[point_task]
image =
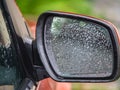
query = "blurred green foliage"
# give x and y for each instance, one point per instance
(36, 7)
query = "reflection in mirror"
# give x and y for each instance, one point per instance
(80, 48)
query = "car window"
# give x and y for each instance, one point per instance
(10, 75)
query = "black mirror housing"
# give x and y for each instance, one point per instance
(59, 33)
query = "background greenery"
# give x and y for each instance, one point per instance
(33, 8)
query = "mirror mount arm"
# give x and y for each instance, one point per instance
(41, 73)
(38, 65)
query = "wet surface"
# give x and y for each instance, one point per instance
(81, 48)
(9, 70)
(111, 10)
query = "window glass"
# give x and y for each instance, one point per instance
(9, 69)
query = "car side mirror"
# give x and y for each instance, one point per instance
(78, 48)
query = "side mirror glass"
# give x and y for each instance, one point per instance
(80, 48)
(77, 48)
